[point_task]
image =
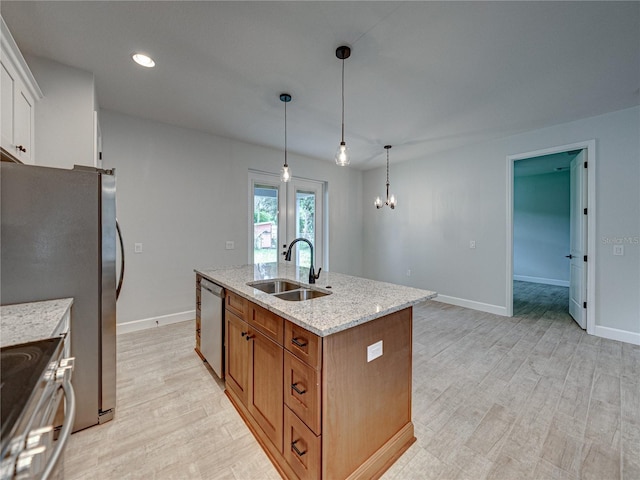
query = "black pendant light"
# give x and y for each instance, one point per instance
(343, 156)
(391, 200)
(285, 173)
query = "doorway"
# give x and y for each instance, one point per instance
(574, 163)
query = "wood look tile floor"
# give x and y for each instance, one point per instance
(530, 396)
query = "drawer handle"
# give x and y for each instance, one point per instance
(249, 337)
(21, 148)
(297, 342)
(295, 449)
(243, 334)
(294, 386)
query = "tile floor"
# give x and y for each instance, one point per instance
(530, 396)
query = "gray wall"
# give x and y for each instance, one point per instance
(541, 228)
(64, 116)
(447, 199)
(183, 193)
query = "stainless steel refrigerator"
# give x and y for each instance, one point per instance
(58, 239)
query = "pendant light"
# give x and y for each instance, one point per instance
(391, 200)
(343, 156)
(285, 173)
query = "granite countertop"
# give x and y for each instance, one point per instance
(353, 300)
(27, 322)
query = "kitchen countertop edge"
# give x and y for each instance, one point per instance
(296, 311)
(31, 321)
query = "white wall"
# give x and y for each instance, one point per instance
(541, 217)
(450, 198)
(64, 116)
(183, 193)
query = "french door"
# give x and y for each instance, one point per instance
(281, 212)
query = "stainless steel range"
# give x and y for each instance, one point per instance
(35, 380)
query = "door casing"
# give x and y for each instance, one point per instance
(590, 147)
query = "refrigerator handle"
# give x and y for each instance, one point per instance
(119, 287)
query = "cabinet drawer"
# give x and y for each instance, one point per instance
(268, 323)
(236, 304)
(302, 391)
(303, 344)
(301, 447)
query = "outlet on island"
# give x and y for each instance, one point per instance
(230, 245)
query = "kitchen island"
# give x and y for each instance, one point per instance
(324, 384)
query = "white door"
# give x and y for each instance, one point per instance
(578, 240)
(304, 220)
(281, 212)
(267, 218)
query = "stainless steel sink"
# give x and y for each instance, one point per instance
(301, 294)
(274, 286)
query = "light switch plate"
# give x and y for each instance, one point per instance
(374, 351)
(137, 248)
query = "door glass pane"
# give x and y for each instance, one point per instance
(305, 224)
(265, 223)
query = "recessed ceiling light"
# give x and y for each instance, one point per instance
(144, 60)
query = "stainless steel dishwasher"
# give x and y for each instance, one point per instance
(212, 325)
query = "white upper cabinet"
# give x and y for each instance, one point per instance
(20, 91)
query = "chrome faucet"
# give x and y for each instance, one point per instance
(312, 274)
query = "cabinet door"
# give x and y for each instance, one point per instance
(237, 356)
(23, 124)
(17, 116)
(265, 390)
(6, 124)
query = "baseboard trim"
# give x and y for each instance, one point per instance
(616, 334)
(461, 302)
(544, 281)
(152, 322)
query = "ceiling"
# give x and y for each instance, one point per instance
(423, 76)
(553, 163)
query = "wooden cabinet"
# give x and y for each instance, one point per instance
(19, 92)
(302, 391)
(303, 448)
(254, 363)
(265, 385)
(318, 406)
(237, 356)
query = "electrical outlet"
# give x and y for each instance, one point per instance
(137, 248)
(472, 244)
(618, 250)
(230, 245)
(408, 272)
(374, 351)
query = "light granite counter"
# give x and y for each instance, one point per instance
(27, 322)
(353, 300)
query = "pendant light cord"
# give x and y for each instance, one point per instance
(343, 100)
(387, 175)
(285, 135)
